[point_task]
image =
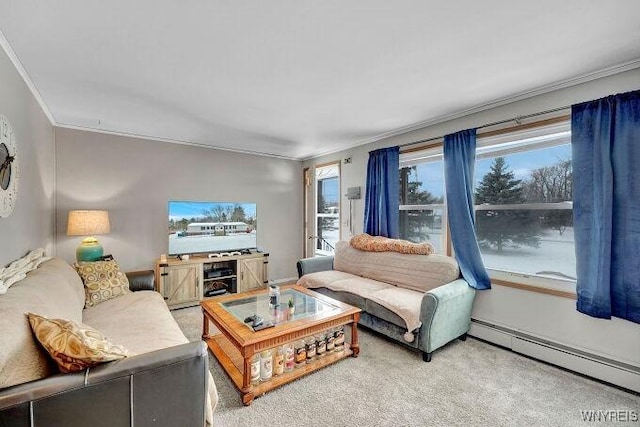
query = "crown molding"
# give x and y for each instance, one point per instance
(574, 81)
(25, 77)
(174, 141)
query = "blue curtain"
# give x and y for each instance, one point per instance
(605, 138)
(382, 198)
(459, 160)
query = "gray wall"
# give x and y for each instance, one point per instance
(546, 316)
(134, 178)
(31, 224)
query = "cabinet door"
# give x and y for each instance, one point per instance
(181, 284)
(251, 274)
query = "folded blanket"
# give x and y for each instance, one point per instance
(18, 270)
(405, 303)
(365, 242)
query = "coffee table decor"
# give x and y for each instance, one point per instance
(278, 331)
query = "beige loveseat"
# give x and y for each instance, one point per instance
(418, 300)
(164, 382)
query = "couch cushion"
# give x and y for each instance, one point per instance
(416, 272)
(346, 297)
(74, 346)
(102, 280)
(140, 321)
(320, 279)
(337, 281)
(54, 290)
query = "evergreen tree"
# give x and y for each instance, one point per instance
(413, 223)
(238, 214)
(504, 228)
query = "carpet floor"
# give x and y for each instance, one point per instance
(470, 383)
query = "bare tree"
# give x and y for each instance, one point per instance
(218, 213)
(550, 183)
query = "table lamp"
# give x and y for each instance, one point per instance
(88, 223)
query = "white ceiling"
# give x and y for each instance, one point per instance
(297, 78)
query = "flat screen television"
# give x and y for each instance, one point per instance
(211, 227)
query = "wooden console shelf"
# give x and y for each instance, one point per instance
(186, 283)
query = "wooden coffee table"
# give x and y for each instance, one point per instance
(236, 343)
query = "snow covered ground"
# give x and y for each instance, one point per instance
(555, 254)
(331, 235)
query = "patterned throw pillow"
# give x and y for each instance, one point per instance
(102, 280)
(365, 242)
(74, 346)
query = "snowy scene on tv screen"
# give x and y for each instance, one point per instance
(207, 227)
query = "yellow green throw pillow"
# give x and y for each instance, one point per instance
(74, 346)
(102, 280)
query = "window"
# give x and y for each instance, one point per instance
(327, 208)
(422, 206)
(523, 197)
(524, 209)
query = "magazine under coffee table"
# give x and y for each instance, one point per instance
(237, 342)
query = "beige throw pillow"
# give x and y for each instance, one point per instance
(102, 280)
(74, 346)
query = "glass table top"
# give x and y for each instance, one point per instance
(305, 306)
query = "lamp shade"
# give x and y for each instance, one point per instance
(88, 223)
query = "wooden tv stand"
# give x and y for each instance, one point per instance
(186, 283)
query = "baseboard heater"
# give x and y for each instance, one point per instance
(608, 370)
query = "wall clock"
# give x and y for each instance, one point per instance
(8, 168)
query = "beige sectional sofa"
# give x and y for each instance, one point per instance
(164, 382)
(418, 300)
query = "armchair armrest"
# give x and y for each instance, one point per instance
(312, 265)
(161, 388)
(445, 314)
(141, 280)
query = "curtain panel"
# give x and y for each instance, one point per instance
(382, 197)
(605, 138)
(459, 161)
